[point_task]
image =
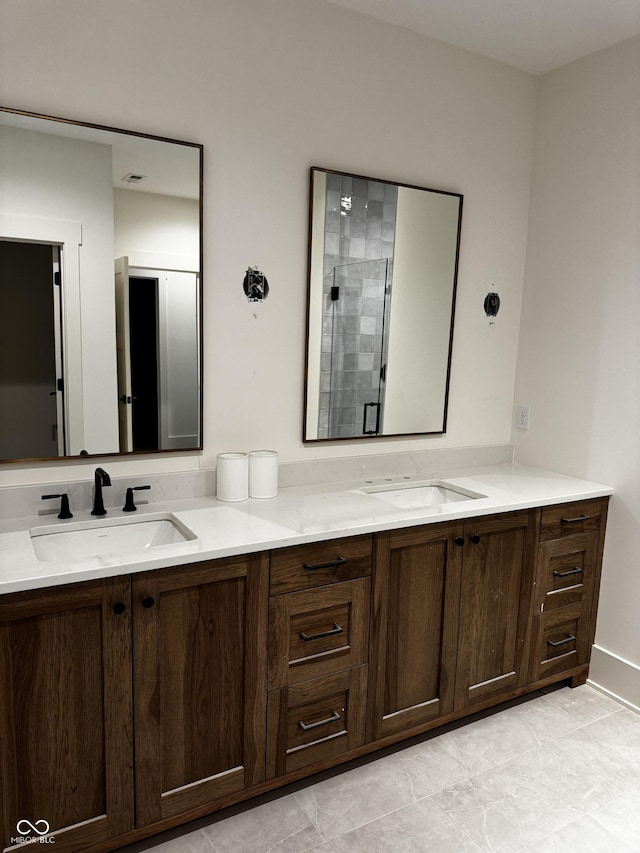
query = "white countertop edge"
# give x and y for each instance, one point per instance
(299, 515)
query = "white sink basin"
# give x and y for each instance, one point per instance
(108, 537)
(416, 495)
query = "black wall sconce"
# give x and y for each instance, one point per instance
(255, 285)
(491, 306)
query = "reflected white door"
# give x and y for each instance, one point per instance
(178, 357)
(123, 346)
(158, 341)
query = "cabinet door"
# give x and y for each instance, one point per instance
(65, 714)
(495, 606)
(200, 634)
(414, 627)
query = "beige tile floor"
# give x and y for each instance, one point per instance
(557, 772)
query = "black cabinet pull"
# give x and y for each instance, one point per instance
(475, 539)
(119, 608)
(576, 570)
(459, 540)
(568, 639)
(335, 630)
(312, 567)
(335, 716)
(575, 520)
(148, 601)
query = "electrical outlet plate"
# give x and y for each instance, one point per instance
(523, 411)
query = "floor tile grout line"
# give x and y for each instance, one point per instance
(603, 774)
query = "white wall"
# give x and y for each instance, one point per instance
(52, 178)
(579, 357)
(155, 230)
(272, 87)
(424, 259)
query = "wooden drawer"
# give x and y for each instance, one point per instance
(315, 632)
(314, 721)
(560, 640)
(566, 570)
(307, 566)
(567, 519)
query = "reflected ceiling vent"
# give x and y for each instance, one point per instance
(134, 178)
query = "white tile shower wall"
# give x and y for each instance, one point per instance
(360, 218)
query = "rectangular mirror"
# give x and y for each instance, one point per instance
(383, 264)
(100, 290)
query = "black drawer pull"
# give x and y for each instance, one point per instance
(575, 520)
(148, 601)
(459, 540)
(568, 639)
(119, 608)
(576, 570)
(332, 719)
(335, 630)
(312, 567)
(475, 539)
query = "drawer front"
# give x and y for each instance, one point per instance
(318, 631)
(314, 721)
(566, 570)
(560, 640)
(570, 518)
(308, 566)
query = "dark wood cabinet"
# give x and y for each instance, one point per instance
(222, 679)
(315, 721)
(451, 619)
(569, 562)
(199, 675)
(186, 647)
(318, 650)
(495, 606)
(315, 632)
(66, 752)
(414, 627)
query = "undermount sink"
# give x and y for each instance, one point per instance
(417, 495)
(108, 537)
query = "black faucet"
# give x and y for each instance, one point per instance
(129, 505)
(101, 479)
(65, 512)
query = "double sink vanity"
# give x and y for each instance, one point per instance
(159, 665)
(160, 662)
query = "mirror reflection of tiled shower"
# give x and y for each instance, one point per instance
(360, 219)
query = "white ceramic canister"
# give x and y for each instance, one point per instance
(232, 476)
(263, 474)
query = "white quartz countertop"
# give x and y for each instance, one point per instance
(300, 514)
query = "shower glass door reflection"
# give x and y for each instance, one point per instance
(355, 344)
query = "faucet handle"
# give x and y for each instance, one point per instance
(129, 505)
(65, 512)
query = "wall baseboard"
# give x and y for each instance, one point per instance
(615, 677)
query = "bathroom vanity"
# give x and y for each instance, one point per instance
(143, 690)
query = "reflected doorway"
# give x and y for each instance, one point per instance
(143, 342)
(31, 362)
(158, 344)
